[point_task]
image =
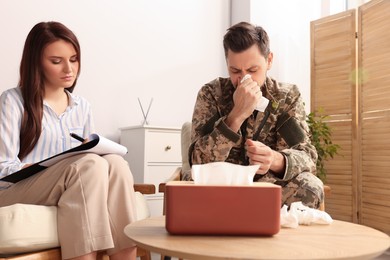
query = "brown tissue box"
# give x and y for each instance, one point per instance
(222, 210)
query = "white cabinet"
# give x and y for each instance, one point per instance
(154, 153)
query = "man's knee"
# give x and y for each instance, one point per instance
(307, 188)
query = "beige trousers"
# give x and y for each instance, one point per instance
(95, 200)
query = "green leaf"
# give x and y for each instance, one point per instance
(321, 139)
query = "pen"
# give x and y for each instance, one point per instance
(77, 137)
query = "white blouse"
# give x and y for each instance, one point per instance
(55, 137)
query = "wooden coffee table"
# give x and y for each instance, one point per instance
(339, 240)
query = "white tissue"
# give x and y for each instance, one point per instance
(247, 76)
(300, 214)
(263, 102)
(223, 173)
(286, 219)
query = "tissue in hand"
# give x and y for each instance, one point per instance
(223, 173)
(247, 76)
(263, 102)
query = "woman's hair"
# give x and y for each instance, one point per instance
(243, 35)
(32, 78)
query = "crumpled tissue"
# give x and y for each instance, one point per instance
(300, 214)
(223, 173)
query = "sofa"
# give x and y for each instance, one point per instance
(30, 231)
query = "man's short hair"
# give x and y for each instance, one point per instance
(243, 35)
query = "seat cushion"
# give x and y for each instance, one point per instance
(141, 206)
(27, 228)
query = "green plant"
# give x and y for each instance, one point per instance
(321, 138)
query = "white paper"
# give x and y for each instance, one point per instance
(223, 173)
(96, 144)
(103, 146)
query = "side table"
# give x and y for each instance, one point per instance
(339, 240)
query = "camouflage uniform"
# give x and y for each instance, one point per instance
(282, 127)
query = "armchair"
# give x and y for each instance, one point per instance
(29, 232)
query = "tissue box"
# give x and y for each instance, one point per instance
(222, 210)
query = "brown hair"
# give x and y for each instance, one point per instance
(31, 80)
(243, 35)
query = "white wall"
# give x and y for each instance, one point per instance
(288, 26)
(240, 11)
(165, 50)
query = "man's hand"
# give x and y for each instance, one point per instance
(259, 153)
(245, 99)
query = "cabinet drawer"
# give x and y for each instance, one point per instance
(163, 147)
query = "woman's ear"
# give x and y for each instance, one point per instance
(269, 60)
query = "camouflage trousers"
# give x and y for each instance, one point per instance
(305, 187)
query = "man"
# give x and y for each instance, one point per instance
(228, 126)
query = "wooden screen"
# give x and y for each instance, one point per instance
(374, 110)
(333, 89)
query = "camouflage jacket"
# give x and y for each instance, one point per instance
(282, 127)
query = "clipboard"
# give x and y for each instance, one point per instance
(97, 144)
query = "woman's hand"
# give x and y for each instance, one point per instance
(26, 165)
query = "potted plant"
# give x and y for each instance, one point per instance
(321, 138)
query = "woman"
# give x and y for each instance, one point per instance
(94, 195)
